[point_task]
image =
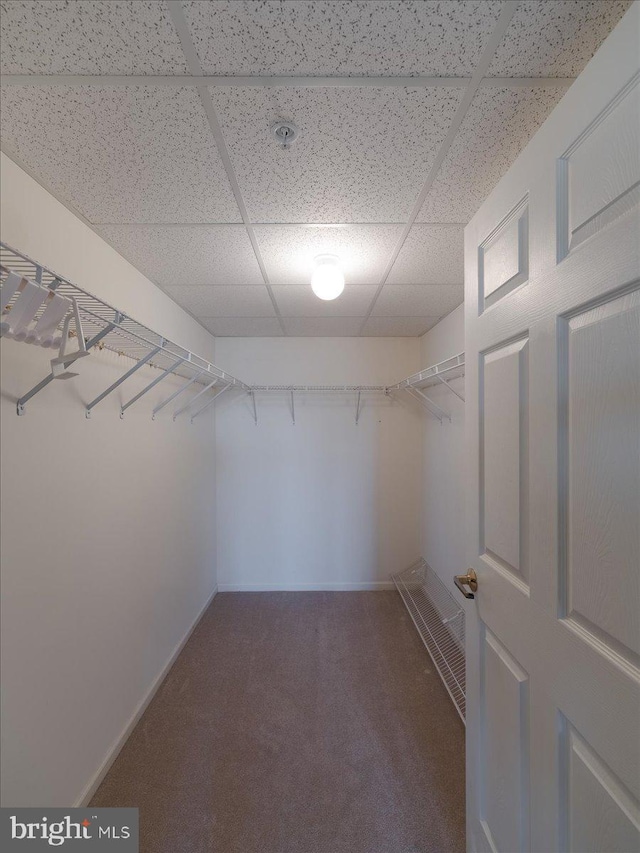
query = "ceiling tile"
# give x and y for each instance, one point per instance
(398, 327)
(361, 37)
(121, 154)
(431, 254)
(498, 125)
(325, 327)
(364, 250)
(425, 300)
(242, 327)
(114, 37)
(555, 38)
(241, 301)
(187, 254)
(298, 300)
(361, 156)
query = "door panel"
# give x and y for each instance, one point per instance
(552, 278)
(600, 483)
(503, 258)
(504, 465)
(599, 810)
(505, 792)
(599, 174)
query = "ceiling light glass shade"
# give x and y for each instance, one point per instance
(327, 281)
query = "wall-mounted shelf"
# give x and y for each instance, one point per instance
(291, 390)
(443, 373)
(440, 623)
(106, 327)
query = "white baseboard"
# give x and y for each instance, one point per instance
(112, 754)
(305, 587)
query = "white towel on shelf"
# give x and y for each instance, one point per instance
(54, 313)
(11, 284)
(25, 309)
(16, 322)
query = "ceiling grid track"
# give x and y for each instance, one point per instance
(93, 226)
(503, 22)
(182, 29)
(267, 224)
(196, 86)
(284, 81)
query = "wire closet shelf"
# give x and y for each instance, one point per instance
(107, 327)
(440, 623)
(443, 373)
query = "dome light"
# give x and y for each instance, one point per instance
(327, 281)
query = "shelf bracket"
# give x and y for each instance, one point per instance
(151, 385)
(293, 409)
(190, 402)
(255, 410)
(451, 388)
(209, 402)
(60, 364)
(88, 345)
(428, 404)
(358, 407)
(119, 382)
(175, 394)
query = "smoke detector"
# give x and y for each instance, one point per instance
(285, 132)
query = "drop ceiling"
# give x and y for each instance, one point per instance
(151, 120)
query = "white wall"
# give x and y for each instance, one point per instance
(324, 504)
(108, 543)
(34, 222)
(443, 532)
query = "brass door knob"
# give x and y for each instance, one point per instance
(470, 580)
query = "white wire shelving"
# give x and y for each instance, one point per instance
(291, 390)
(106, 327)
(440, 623)
(443, 373)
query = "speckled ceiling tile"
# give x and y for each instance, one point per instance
(374, 37)
(555, 38)
(121, 154)
(202, 254)
(398, 327)
(240, 301)
(324, 327)
(114, 37)
(420, 300)
(431, 254)
(298, 300)
(361, 156)
(242, 327)
(498, 125)
(288, 252)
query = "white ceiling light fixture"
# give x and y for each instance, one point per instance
(327, 281)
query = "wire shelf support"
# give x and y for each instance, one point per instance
(440, 621)
(106, 327)
(442, 373)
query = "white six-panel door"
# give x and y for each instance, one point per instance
(553, 396)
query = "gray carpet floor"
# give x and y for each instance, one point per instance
(297, 723)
